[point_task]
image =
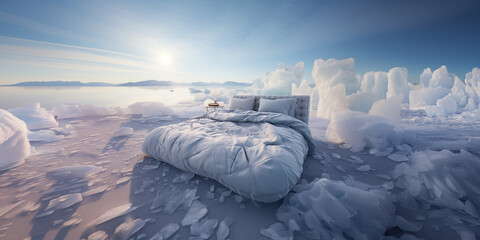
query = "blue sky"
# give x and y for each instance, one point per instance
(184, 41)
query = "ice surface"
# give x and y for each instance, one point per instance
(169, 199)
(44, 136)
(204, 228)
(14, 144)
(123, 132)
(279, 82)
(34, 116)
(127, 229)
(194, 213)
(358, 130)
(96, 190)
(150, 109)
(72, 172)
(98, 235)
(64, 201)
(114, 213)
(326, 209)
(166, 231)
(73, 110)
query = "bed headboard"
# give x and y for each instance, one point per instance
(303, 104)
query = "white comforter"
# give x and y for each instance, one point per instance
(258, 155)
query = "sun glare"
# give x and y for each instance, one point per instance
(164, 59)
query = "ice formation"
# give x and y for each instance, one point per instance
(64, 201)
(72, 172)
(128, 228)
(327, 209)
(34, 116)
(44, 136)
(114, 213)
(357, 130)
(204, 228)
(166, 231)
(194, 213)
(73, 110)
(442, 178)
(14, 144)
(150, 109)
(279, 82)
(123, 132)
(398, 83)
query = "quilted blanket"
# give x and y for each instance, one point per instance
(258, 155)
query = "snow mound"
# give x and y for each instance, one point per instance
(358, 130)
(150, 109)
(442, 178)
(279, 82)
(14, 144)
(327, 209)
(123, 132)
(73, 110)
(34, 116)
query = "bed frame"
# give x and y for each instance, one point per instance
(303, 104)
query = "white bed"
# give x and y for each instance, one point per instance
(258, 155)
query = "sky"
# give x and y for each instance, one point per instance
(187, 41)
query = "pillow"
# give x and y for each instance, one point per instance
(286, 106)
(241, 103)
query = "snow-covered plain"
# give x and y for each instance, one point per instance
(392, 160)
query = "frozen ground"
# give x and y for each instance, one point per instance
(95, 182)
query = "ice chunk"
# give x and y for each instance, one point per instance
(277, 231)
(184, 177)
(303, 89)
(364, 168)
(223, 228)
(72, 110)
(406, 225)
(34, 116)
(195, 213)
(123, 132)
(72, 222)
(358, 130)
(425, 77)
(398, 83)
(96, 190)
(98, 235)
(333, 72)
(44, 136)
(150, 109)
(336, 155)
(127, 229)
(442, 78)
(331, 101)
(123, 180)
(325, 208)
(204, 228)
(64, 201)
(169, 199)
(420, 98)
(14, 144)
(165, 232)
(445, 106)
(114, 213)
(72, 172)
(279, 82)
(398, 157)
(388, 108)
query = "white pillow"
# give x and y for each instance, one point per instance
(241, 103)
(286, 106)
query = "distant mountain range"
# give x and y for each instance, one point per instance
(128, 84)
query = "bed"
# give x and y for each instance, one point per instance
(256, 154)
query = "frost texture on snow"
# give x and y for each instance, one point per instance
(74, 110)
(328, 209)
(34, 116)
(14, 144)
(150, 109)
(279, 82)
(123, 132)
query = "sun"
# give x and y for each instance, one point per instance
(165, 59)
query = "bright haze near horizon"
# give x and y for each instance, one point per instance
(186, 41)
